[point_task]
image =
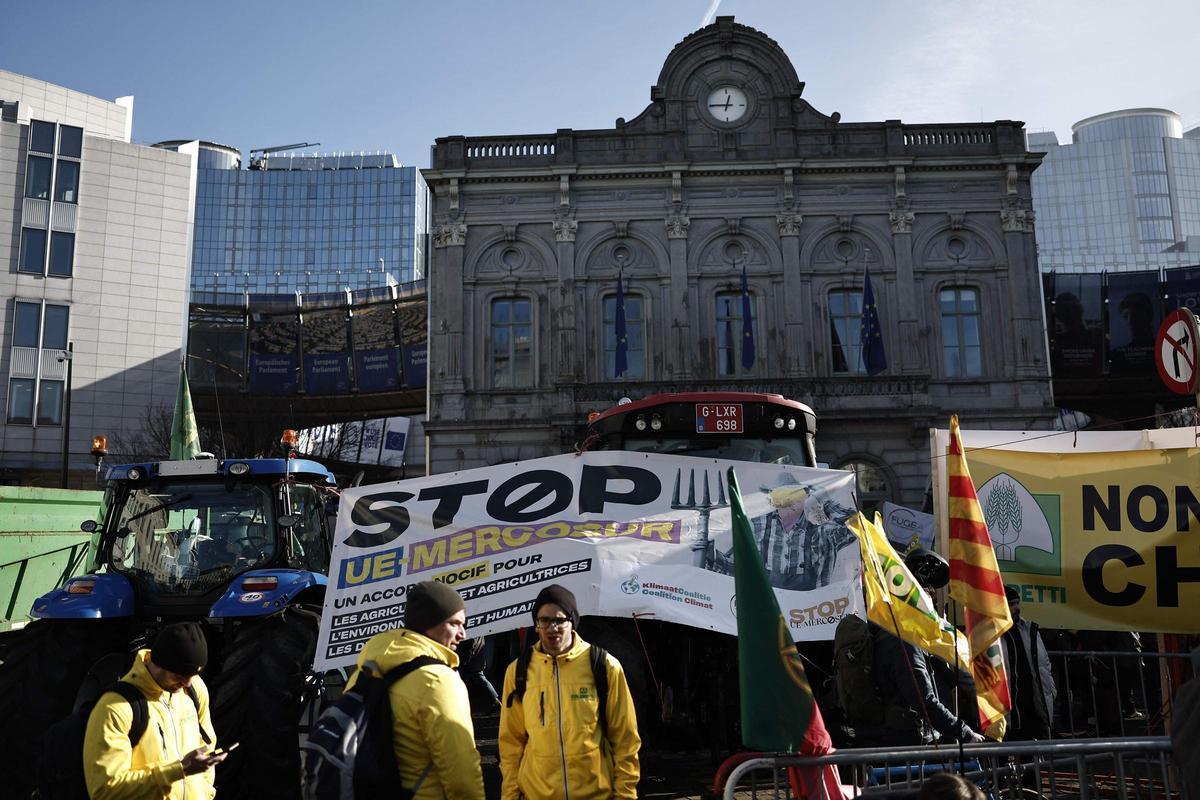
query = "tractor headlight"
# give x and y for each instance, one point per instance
(240, 468)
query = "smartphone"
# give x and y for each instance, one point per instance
(220, 751)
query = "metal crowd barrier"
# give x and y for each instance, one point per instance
(1109, 693)
(1094, 769)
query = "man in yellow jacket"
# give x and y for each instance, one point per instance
(171, 759)
(432, 734)
(551, 745)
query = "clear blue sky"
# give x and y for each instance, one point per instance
(396, 75)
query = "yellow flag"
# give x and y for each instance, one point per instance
(897, 603)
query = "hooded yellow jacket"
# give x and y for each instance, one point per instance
(432, 717)
(550, 746)
(152, 769)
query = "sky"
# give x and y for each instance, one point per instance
(394, 76)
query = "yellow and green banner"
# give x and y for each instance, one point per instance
(1101, 541)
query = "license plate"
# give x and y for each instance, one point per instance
(719, 418)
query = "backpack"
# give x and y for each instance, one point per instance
(349, 751)
(598, 657)
(853, 653)
(60, 773)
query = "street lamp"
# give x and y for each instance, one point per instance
(68, 356)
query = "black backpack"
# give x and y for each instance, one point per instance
(349, 751)
(60, 773)
(854, 656)
(598, 657)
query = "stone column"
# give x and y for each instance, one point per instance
(910, 352)
(446, 354)
(1024, 280)
(567, 368)
(797, 332)
(681, 350)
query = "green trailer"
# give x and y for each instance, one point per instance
(41, 545)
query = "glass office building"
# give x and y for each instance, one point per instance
(305, 223)
(1123, 196)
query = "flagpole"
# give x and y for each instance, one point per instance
(957, 713)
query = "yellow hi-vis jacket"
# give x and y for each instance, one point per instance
(152, 770)
(550, 742)
(431, 717)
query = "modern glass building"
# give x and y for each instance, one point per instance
(1124, 195)
(305, 223)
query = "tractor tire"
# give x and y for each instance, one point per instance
(257, 700)
(38, 681)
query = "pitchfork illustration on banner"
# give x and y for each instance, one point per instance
(703, 549)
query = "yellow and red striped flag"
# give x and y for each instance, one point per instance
(976, 584)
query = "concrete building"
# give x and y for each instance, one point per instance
(304, 223)
(1122, 196)
(729, 168)
(96, 251)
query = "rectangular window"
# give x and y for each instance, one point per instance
(635, 338)
(70, 141)
(41, 136)
(37, 177)
(961, 350)
(512, 344)
(33, 251)
(27, 324)
(20, 400)
(845, 332)
(50, 403)
(62, 253)
(729, 334)
(66, 182)
(54, 328)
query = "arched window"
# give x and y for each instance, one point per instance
(512, 343)
(845, 338)
(962, 354)
(635, 338)
(872, 483)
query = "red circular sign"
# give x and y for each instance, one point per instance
(1175, 351)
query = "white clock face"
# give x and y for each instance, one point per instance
(727, 103)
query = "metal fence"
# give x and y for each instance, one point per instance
(1105, 693)
(1097, 769)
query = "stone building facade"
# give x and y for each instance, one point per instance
(730, 171)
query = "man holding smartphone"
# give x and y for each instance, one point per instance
(173, 757)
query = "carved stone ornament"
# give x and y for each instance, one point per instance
(510, 233)
(564, 228)
(1016, 220)
(621, 228)
(733, 226)
(956, 221)
(845, 222)
(677, 225)
(450, 234)
(789, 223)
(901, 220)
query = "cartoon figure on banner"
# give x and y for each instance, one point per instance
(800, 537)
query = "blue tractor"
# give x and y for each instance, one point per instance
(241, 545)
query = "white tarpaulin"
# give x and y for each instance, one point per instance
(628, 533)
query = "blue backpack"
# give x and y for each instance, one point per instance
(349, 752)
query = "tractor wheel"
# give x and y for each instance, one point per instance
(258, 697)
(38, 681)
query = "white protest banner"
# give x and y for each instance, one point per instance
(903, 526)
(628, 533)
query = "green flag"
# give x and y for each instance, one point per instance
(779, 713)
(185, 436)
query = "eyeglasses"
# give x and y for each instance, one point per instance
(553, 622)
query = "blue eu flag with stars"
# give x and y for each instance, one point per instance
(873, 356)
(622, 356)
(747, 325)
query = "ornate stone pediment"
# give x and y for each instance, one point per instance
(620, 254)
(729, 253)
(510, 257)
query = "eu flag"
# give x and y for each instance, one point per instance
(622, 356)
(747, 325)
(871, 335)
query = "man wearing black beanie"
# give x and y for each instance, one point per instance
(174, 757)
(554, 740)
(433, 737)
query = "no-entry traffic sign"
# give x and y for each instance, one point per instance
(1175, 351)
